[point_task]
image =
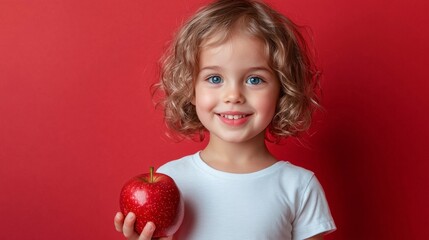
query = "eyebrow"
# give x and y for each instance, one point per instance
(210, 68)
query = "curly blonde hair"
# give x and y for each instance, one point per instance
(289, 59)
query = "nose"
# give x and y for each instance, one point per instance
(233, 94)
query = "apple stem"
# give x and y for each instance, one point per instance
(151, 174)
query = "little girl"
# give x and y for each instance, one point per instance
(239, 71)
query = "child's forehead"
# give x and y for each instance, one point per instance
(239, 45)
(222, 36)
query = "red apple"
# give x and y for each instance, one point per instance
(153, 197)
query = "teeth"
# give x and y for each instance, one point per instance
(235, 117)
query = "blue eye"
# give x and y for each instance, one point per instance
(254, 80)
(215, 79)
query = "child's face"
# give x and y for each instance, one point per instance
(236, 91)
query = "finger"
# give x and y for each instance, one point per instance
(119, 221)
(128, 227)
(147, 232)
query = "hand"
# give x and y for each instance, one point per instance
(126, 226)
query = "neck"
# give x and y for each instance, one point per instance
(240, 157)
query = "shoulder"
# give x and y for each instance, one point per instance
(294, 174)
(300, 182)
(177, 166)
(296, 170)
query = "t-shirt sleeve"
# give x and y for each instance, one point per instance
(313, 216)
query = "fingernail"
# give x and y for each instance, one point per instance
(150, 226)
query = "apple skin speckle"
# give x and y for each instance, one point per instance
(159, 202)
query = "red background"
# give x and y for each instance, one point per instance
(76, 117)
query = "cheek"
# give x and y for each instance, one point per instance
(267, 104)
(204, 100)
(267, 110)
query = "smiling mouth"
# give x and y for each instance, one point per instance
(233, 117)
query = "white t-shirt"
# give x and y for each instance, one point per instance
(281, 202)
